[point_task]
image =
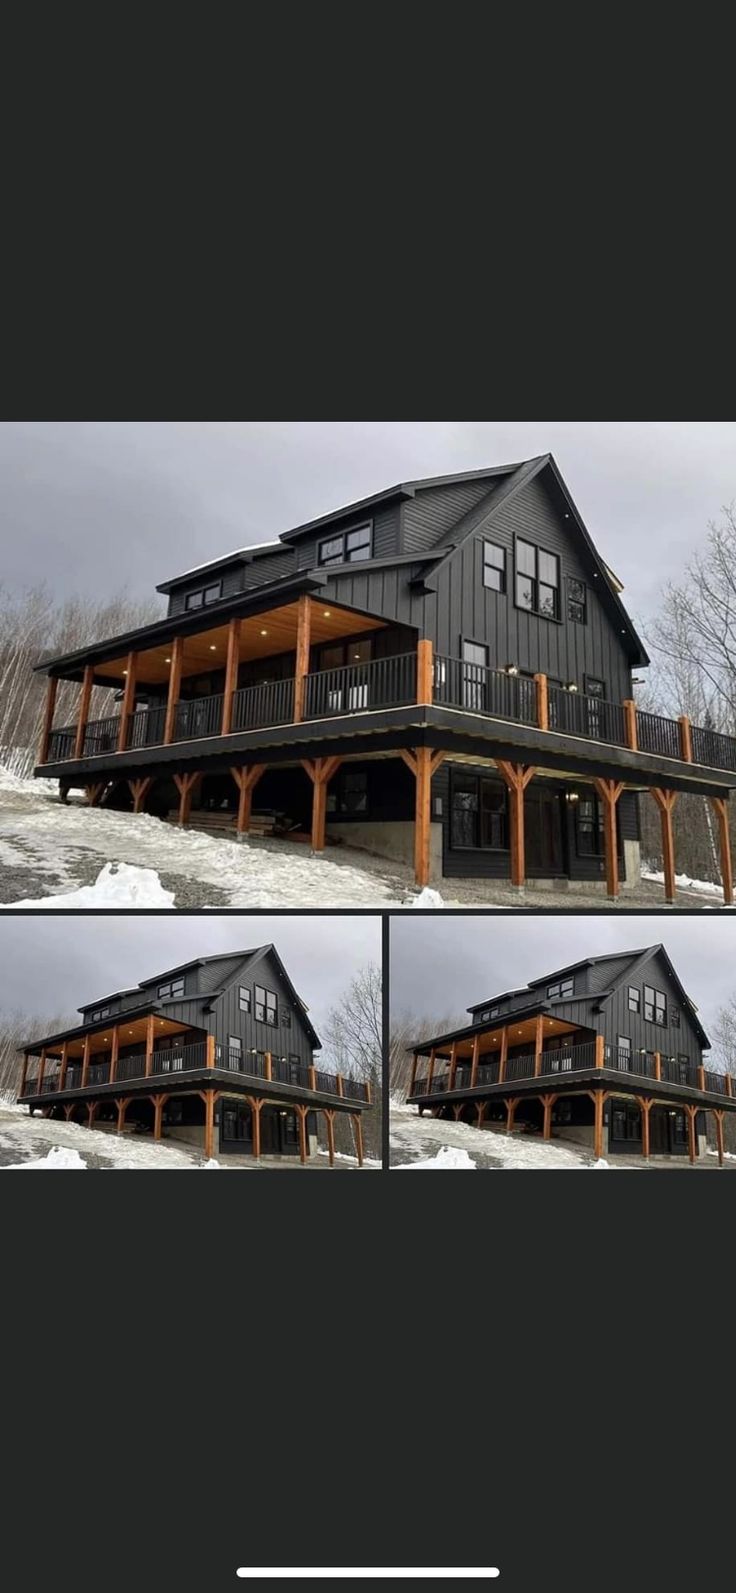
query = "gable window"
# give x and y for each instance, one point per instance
(478, 814)
(675, 1017)
(494, 567)
(563, 987)
(537, 580)
(349, 547)
(244, 998)
(234, 1052)
(286, 1018)
(99, 1012)
(624, 1053)
(655, 1006)
(490, 1012)
(577, 601)
(266, 1007)
(204, 596)
(634, 998)
(173, 987)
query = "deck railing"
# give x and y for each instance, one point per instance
(200, 716)
(146, 727)
(658, 735)
(484, 691)
(632, 1062)
(131, 1067)
(98, 1073)
(101, 735)
(672, 1071)
(712, 749)
(61, 744)
(575, 713)
(715, 1083)
(382, 683)
(271, 703)
(569, 1059)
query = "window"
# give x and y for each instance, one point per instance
(563, 987)
(490, 1012)
(589, 822)
(173, 987)
(624, 1053)
(634, 999)
(244, 999)
(99, 1012)
(347, 548)
(204, 596)
(478, 814)
(537, 580)
(577, 601)
(234, 1052)
(675, 1017)
(349, 793)
(475, 663)
(286, 1018)
(266, 1007)
(494, 567)
(655, 1006)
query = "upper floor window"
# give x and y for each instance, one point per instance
(244, 998)
(99, 1012)
(577, 601)
(490, 1012)
(655, 1006)
(674, 1017)
(173, 987)
(563, 987)
(204, 596)
(634, 999)
(537, 580)
(266, 1007)
(286, 1018)
(494, 567)
(348, 547)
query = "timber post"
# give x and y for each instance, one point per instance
(609, 792)
(301, 670)
(516, 777)
(720, 808)
(630, 723)
(665, 801)
(541, 683)
(83, 714)
(231, 675)
(423, 763)
(172, 699)
(128, 707)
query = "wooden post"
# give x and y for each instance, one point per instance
(453, 1065)
(231, 675)
(632, 729)
(139, 790)
(128, 708)
(480, 1108)
(609, 792)
(646, 1106)
(358, 1137)
(542, 684)
(69, 1111)
(368, 1092)
(303, 631)
(538, 1037)
(516, 777)
(302, 1115)
(312, 1075)
(94, 792)
(330, 1121)
(719, 1116)
(414, 1066)
(41, 1070)
(255, 1109)
(122, 1105)
(701, 1077)
(598, 1104)
(686, 739)
(475, 1061)
(691, 1112)
(720, 808)
(320, 772)
(83, 716)
(729, 1084)
(547, 1102)
(340, 1082)
(114, 1055)
(267, 1066)
(665, 801)
(172, 701)
(85, 1064)
(425, 672)
(246, 780)
(48, 719)
(511, 1106)
(503, 1060)
(149, 1045)
(208, 1096)
(185, 784)
(600, 1051)
(658, 1066)
(158, 1109)
(424, 764)
(430, 1074)
(92, 1107)
(210, 1051)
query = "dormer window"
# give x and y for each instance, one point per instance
(98, 1014)
(204, 596)
(558, 991)
(173, 987)
(348, 548)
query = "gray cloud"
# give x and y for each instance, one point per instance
(441, 965)
(99, 505)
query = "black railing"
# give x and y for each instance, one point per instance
(630, 1062)
(488, 1072)
(252, 1063)
(658, 735)
(101, 735)
(354, 1089)
(50, 1084)
(576, 714)
(712, 749)
(520, 1067)
(131, 1067)
(715, 1083)
(180, 1059)
(271, 703)
(290, 1072)
(147, 727)
(61, 744)
(569, 1059)
(484, 691)
(30, 1087)
(383, 683)
(675, 1072)
(73, 1076)
(98, 1073)
(200, 716)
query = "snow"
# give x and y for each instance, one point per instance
(222, 558)
(448, 1159)
(32, 1140)
(340, 1156)
(428, 898)
(685, 883)
(419, 1140)
(119, 885)
(58, 1160)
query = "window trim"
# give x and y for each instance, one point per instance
(342, 536)
(555, 619)
(571, 618)
(559, 991)
(633, 990)
(488, 542)
(167, 990)
(655, 1005)
(266, 1006)
(245, 990)
(458, 774)
(201, 591)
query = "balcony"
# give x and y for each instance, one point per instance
(167, 1061)
(570, 1059)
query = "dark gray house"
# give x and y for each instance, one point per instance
(440, 672)
(607, 1052)
(217, 1053)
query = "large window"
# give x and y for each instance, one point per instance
(563, 987)
(577, 601)
(204, 596)
(173, 987)
(634, 999)
(537, 580)
(348, 547)
(589, 821)
(244, 998)
(490, 1012)
(266, 1007)
(478, 818)
(655, 1006)
(494, 567)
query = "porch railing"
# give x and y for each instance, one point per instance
(146, 728)
(383, 683)
(271, 703)
(569, 1059)
(200, 716)
(575, 713)
(98, 1073)
(131, 1067)
(101, 735)
(484, 691)
(715, 1083)
(658, 735)
(675, 1072)
(61, 744)
(712, 749)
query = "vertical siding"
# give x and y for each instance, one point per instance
(227, 1018)
(617, 1020)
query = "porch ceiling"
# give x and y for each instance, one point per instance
(523, 1033)
(133, 1033)
(261, 636)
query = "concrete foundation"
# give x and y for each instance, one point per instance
(580, 1134)
(392, 839)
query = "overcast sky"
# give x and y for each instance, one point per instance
(100, 505)
(52, 965)
(442, 965)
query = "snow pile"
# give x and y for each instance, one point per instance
(58, 1160)
(428, 898)
(120, 885)
(685, 883)
(448, 1159)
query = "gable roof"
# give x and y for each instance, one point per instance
(640, 959)
(403, 489)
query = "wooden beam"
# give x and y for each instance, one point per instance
(658, 1066)
(409, 759)
(303, 639)
(158, 1110)
(720, 808)
(609, 792)
(172, 701)
(208, 1096)
(425, 671)
(210, 1051)
(511, 1106)
(85, 1063)
(301, 1112)
(114, 1055)
(122, 1105)
(24, 1075)
(480, 1108)
(423, 817)
(646, 1105)
(185, 784)
(475, 1061)
(358, 1136)
(686, 739)
(149, 1045)
(41, 1070)
(542, 684)
(267, 1066)
(630, 723)
(691, 1114)
(48, 718)
(430, 1074)
(320, 772)
(665, 801)
(231, 675)
(538, 1038)
(83, 715)
(92, 1107)
(340, 1082)
(139, 790)
(548, 1102)
(516, 777)
(719, 1116)
(128, 708)
(246, 780)
(453, 1065)
(94, 792)
(255, 1111)
(504, 1057)
(598, 1104)
(600, 1051)
(330, 1121)
(69, 1110)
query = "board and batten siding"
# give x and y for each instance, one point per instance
(615, 1019)
(227, 1019)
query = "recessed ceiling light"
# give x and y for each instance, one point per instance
(125, 671)
(213, 649)
(167, 660)
(328, 613)
(264, 633)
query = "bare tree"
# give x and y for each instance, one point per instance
(16, 1028)
(407, 1031)
(353, 1033)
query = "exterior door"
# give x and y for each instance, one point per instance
(543, 825)
(475, 663)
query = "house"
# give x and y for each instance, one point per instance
(217, 1053)
(441, 673)
(607, 1052)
